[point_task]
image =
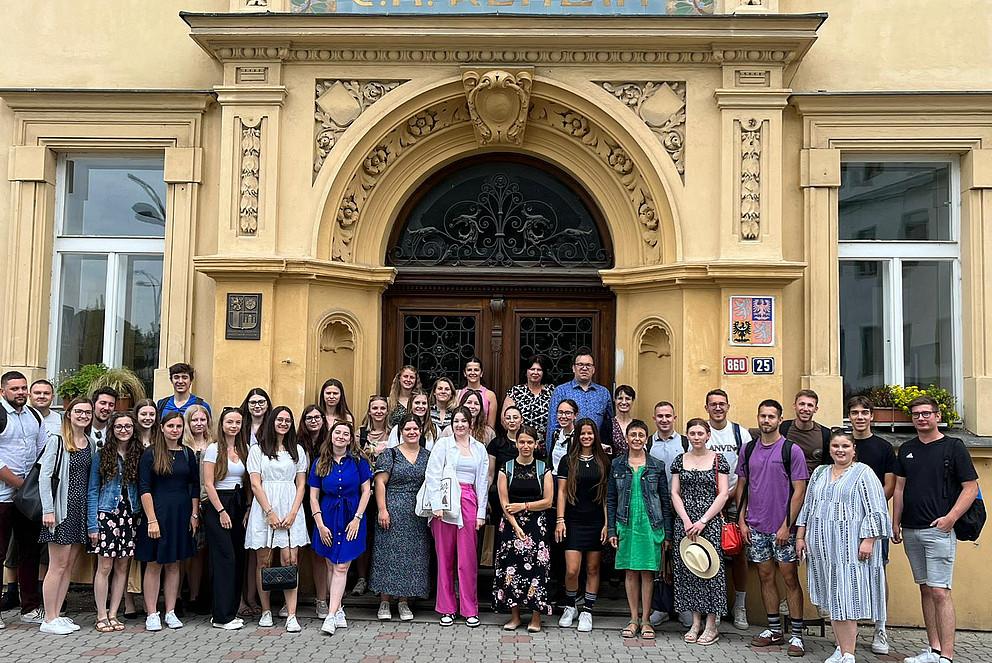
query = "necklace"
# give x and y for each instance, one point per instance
(586, 459)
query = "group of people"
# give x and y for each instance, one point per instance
(424, 471)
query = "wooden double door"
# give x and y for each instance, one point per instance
(439, 332)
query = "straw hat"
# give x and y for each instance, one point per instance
(700, 557)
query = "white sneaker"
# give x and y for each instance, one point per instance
(685, 618)
(265, 621)
(657, 618)
(55, 627)
(153, 622)
(847, 658)
(406, 615)
(328, 625)
(880, 643)
(172, 621)
(293, 625)
(232, 625)
(36, 616)
(925, 656)
(283, 612)
(360, 587)
(321, 607)
(68, 622)
(385, 613)
(835, 657)
(567, 617)
(585, 622)
(740, 617)
(340, 620)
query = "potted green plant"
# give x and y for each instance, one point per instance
(123, 380)
(75, 383)
(891, 403)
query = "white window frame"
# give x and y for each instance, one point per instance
(892, 253)
(116, 248)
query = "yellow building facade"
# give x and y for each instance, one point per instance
(722, 150)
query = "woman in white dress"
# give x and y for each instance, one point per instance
(843, 520)
(278, 468)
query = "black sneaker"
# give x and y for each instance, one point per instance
(9, 601)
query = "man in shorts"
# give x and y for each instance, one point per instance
(771, 486)
(936, 483)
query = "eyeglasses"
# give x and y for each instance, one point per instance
(256, 403)
(123, 427)
(583, 365)
(83, 413)
(841, 430)
(283, 421)
(925, 414)
(566, 413)
(313, 417)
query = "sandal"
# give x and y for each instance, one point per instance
(631, 629)
(116, 623)
(708, 637)
(249, 611)
(510, 626)
(103, 626)
(692, 635)
(533, 628)
(647, 632)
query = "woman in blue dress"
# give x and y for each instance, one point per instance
(340, 488)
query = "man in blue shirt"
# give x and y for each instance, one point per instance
(594, 400)
(181, 376)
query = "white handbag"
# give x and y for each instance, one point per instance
(424, 501)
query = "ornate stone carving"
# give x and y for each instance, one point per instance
(655, 340)
(250, 166)
(337, 336)
(661, 104)
(381, 158)
(498, 101)
(337, 104)
(750, 198)
(611, 153)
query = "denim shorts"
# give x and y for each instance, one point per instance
(763, 548)
(931, 555)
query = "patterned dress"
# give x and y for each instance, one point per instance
(401, 554)
(837, 515)
(698, 490)
(118, 528)
(522, 566)
(533, 409)
(72, 529)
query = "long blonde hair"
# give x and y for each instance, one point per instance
(394, 390)
(67, 442)
(208, 432)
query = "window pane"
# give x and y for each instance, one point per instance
(142, 305)
(862, 325)
(122, 195)
(895, 201)
(927, 336)
(82, 304)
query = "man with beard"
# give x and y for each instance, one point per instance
(22, 439)
(771, 485)
(104, 403)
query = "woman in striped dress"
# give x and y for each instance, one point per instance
(842, 523)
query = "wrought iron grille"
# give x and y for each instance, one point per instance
(438, 345)
(557, 338)
(500, 214)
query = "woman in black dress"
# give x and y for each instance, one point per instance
(581, 523)
(169, 487)
(523, 557)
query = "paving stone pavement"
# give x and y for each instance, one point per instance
(424, 641)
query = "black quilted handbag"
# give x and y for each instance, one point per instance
(280, 577)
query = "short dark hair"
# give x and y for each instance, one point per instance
(771, 402)
(42, 381)
(11, 375)
(924, 400)
(104, 391)
(570, 403)
(860, 400)
(583, 351)
(696, 421)
(664, 404)
(181, 367)
(540, 360)
(715, 392)
(625, 389)
(808, 393)
(637, 423)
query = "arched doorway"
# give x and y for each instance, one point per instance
(498, 256)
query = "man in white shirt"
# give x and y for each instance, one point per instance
(41, 395)
(665, 445)
(104, 403)
(729, 439)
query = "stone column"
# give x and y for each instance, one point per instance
(976, 296)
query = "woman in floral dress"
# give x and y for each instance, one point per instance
(523, 558)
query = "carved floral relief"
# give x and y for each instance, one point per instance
(250, 162)
(661, 104)
(750, 165)
(498, 102)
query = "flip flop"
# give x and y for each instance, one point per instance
(631, 629)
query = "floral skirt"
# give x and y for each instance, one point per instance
(522, 565)
(118, 532)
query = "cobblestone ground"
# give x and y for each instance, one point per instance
(424, 641)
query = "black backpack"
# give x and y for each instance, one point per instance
(737, 438)
(3, 416)
(786, 462)
(783, 430)
(969, 525)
